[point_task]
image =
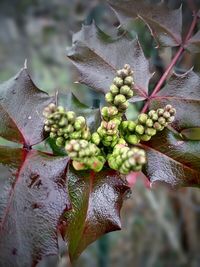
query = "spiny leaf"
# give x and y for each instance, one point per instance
(194, 43)
(191, 134)
(33, 196)
(173, 160)
(96, 203)
(21, 106)
(165, 24)
(183, 93)
(98, 60)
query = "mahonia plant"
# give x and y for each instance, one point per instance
(113, 139)
(77, 183)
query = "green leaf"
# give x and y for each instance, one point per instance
(97, 60)
(183, 93)
(165, 24)
(172, 160)
(33, 196)
(96, 202)
(21, 106)
(191, 134)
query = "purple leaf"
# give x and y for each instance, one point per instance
(21, 106)
(96, 203)
(165, 24)
(33, 196)
(98, 60)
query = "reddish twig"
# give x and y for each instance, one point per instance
(172, 64)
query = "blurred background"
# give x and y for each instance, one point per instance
(160, 226)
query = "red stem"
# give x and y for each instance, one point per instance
(172, 64)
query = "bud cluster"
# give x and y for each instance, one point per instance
(111, 139)
(64, 125)
(121, 89)
(108, 133)
(126, 159)
(147, 125)
(85, 155)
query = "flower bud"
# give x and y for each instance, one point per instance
(142, 118)
(131, 126)
(114, 89)
(119, 99)
(128, 80)
(109, 97)
(118, 81)
(145, 137)
(124, 90)
(71, 116)
(150, 131)
(139, 129)
(132, 139)
(149, 123)
(96, 138)
(60, 141)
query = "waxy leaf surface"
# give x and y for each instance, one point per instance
(21, 106)
(173, 160)
(33, 196)
(98, 60)
(165, 24)
(96, 203)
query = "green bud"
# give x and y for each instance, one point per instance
(109, 97)
(157, 126)
(86, 134)
(172, 111)
(168, 107)
(145, 137)
(124, 90)
(149, 123)
(124, 125)
(166, 115)
(79, 165)
(60, 141)
(150, 131)
(139, 129)
(130, 94)
(79, 123)
(68, 129)
(63, 122)
(61, 109)
(96, 138)
(162, 121)
(52, 135)
(119, 99)
(128, 80)
(142, 118)
(154, 116)
(151, 112)
(118, 81)
(131, 126)
(114, 89)
(123, 106)
(132, 139)
(71, 116)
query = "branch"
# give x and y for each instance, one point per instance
(173, 62)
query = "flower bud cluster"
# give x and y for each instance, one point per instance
(147, 125)
(126, 159)
(64, 125)
(107, 133)
(85, 155)
(121, 89)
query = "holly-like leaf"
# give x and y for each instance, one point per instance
(96, 203)
(164, 24)
(183, 93)
(33, 196)
(173, 160)
(21, 106)
(193, 45)
(98, 60)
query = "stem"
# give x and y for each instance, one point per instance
(173, 62)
